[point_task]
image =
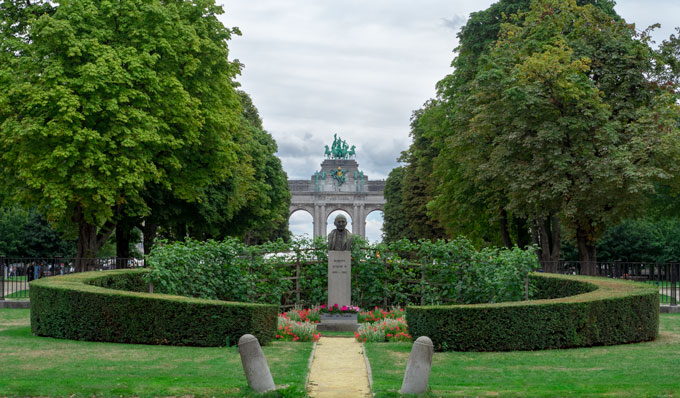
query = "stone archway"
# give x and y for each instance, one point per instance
(370, 218)
(339, 185)
(301, 218)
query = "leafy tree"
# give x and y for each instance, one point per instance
(467, 202)
(572, 121)
(25, 233)
(99, 100)
(417, 184)
(395, 225)
(251, 204)
(552, 115)
(637, 240)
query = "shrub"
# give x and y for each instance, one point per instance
(78, 307)
(606, 312)
(397, 273)
(227, 270)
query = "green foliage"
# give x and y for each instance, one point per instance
(229, 270)
(251, 204)
(25, 233)
(552, 109)
(398, 273)
(417, 185)
(616, 312)
(551, 66)
(637, 240)
(395, 226)
(101, 100)
(74, 307)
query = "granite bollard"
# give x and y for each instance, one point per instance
(255, 364)
(418, 367)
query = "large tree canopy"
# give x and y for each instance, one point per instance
(100, 99)
(566, 119)
(558, 116)
(252, 203)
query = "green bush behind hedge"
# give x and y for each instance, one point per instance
(77, 307)
(396, 273)
(603, 312)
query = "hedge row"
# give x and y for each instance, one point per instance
(84, 306)
(606, 312)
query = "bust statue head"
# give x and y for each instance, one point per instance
(340, 222)
(340, 238)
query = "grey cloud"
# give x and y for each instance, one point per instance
(455, 22)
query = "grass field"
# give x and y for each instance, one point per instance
(633, 370)
(16, 278)
(21, 294)
(47, 367)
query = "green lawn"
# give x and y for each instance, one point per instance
(21, 294)
(47, 367)
(16, 278)
(632, 370)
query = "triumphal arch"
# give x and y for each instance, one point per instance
(338, 185)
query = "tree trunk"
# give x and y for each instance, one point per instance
(523, 238)
(122, 244)
(90, 240)
(149, 230)
(87, 246)
(550, 242)
(507, 241)
(87, 241)
(586, 251)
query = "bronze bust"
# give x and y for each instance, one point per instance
(340, 238)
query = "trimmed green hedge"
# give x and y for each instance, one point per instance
(603, 312)
(85, 306)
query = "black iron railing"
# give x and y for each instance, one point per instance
(664, 275)
(17, 272)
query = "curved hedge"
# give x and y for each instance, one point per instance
(86, 306)
(602, 312)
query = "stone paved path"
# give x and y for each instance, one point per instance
(338, 369)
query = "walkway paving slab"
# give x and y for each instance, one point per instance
(338, 370)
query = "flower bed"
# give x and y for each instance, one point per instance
(311, 315)
(377, 325)
(377, 314)
(335, 309)
(289, 330)
(384, 330)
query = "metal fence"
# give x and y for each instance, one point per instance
(666, 276)
(16, 272)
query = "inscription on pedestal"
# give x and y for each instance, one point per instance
(339, 278)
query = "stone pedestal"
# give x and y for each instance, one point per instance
(339, 292)
(338, 323)
(339, 278)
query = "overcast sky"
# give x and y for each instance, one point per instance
(359, 69)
